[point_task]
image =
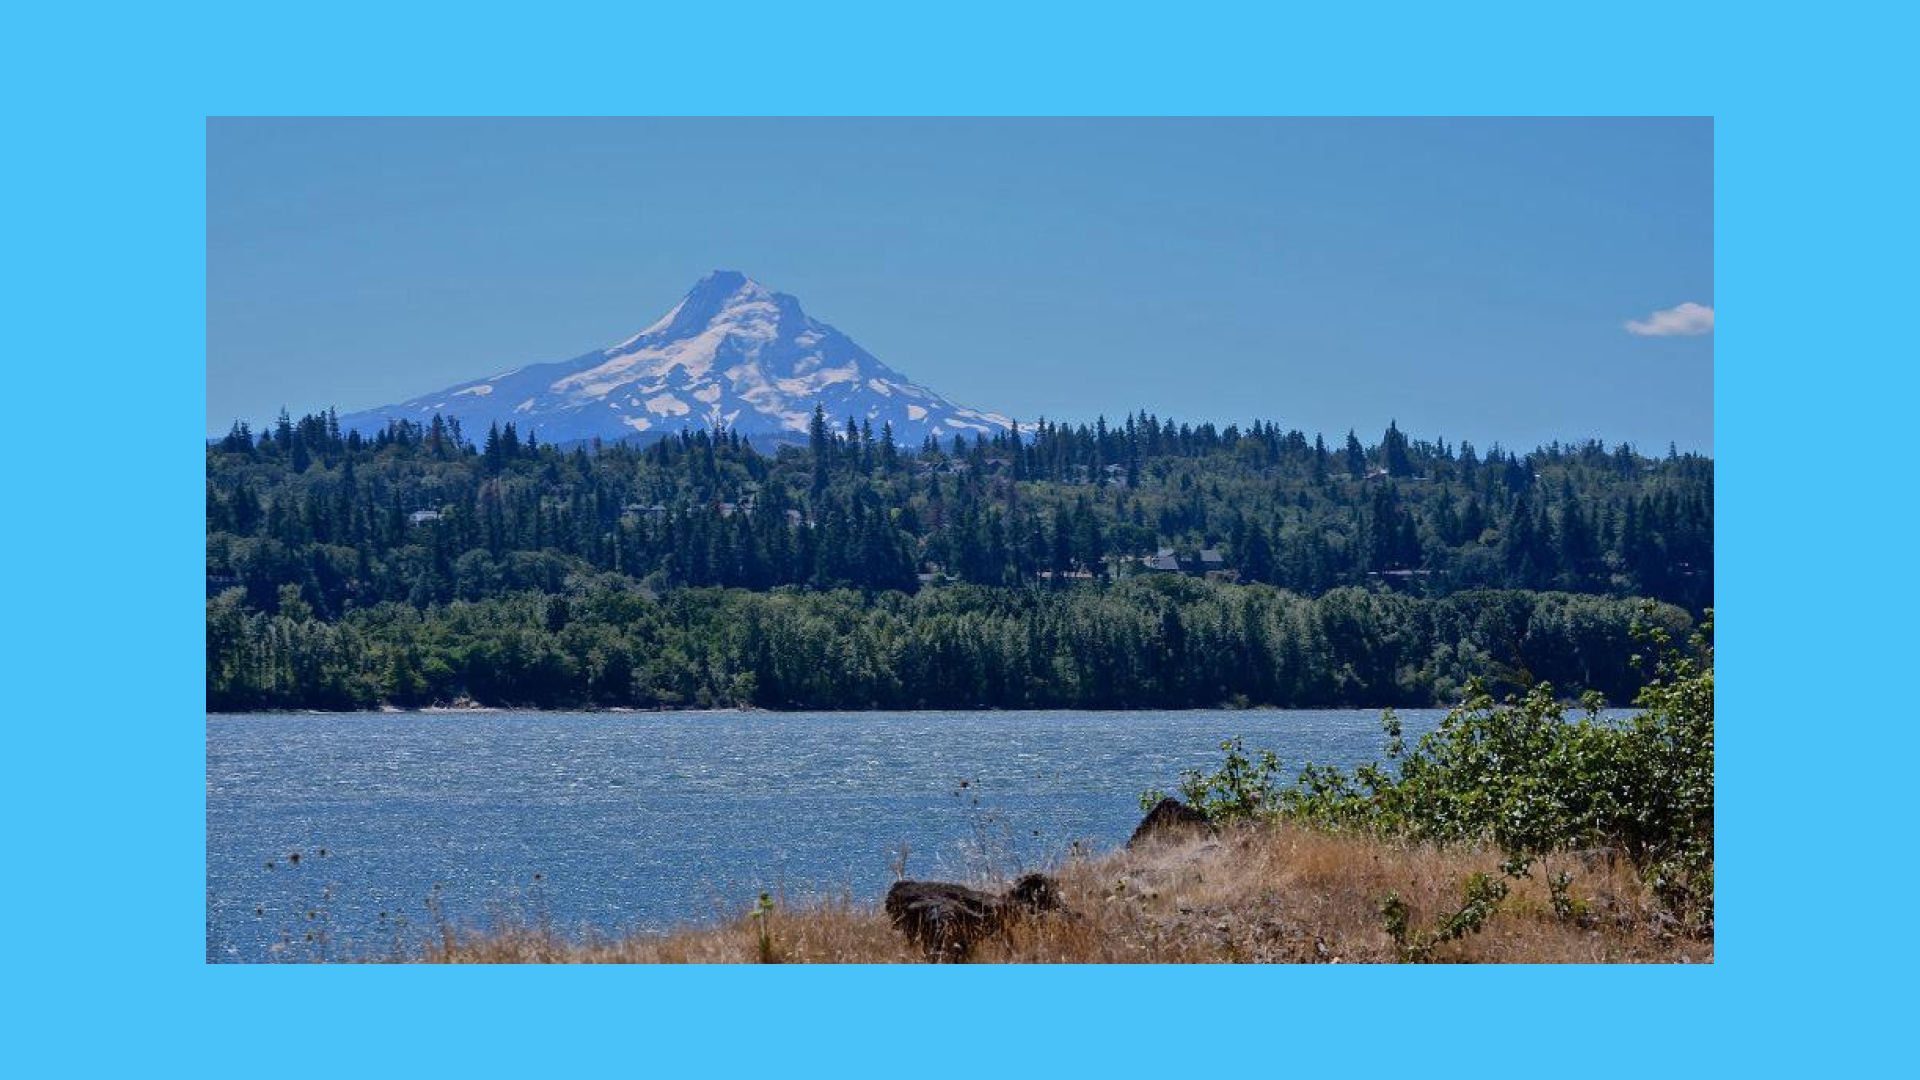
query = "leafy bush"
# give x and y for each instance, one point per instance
(1242, 789)
(1517, 773)
(1481, 895)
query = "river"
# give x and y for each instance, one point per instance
(609, 823)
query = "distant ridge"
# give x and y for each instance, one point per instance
(731, 353)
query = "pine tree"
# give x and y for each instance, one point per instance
(1393, 448)
(820, 445)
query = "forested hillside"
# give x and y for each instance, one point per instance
(422, 565)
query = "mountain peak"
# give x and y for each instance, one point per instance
(730, 354)
(724, 283)
(719, 294)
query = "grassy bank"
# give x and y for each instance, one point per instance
(1273, 892)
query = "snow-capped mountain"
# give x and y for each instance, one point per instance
(730, 353)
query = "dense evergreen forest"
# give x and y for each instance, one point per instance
(1145, 563)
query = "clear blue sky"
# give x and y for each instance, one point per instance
(1472, 278)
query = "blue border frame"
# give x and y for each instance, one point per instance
(110, 197)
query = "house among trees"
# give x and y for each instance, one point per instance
(1213, 565)
(1400, 578)
(1209, 562)
(422, 517)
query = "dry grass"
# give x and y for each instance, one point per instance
(1267, 894)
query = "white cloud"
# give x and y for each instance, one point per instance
(1684, 321)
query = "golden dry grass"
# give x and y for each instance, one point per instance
(1266, 894)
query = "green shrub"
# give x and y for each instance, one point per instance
(1481, 895)
(1242, 788)
(1518, 774)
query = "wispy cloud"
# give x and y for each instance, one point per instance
(1685, 320)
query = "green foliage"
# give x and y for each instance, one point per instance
(334, 514)
(1518, 774)
(1159, 642)
(762, 916)
(1481, 895)
(1560, 894)
(1242, 789)
(414, 567)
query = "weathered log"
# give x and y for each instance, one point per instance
(946, 920)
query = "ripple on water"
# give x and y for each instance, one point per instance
(643, 820)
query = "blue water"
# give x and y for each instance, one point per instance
(610, 823)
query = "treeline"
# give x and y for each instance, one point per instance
(424, 515)
(1158, 641)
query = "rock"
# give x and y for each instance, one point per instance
(946, 920)
(1169, 819)
(1663, 925)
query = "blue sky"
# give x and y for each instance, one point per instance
(1472, 278)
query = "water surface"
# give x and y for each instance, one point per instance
(609, 822)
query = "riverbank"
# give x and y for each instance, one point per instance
(1275, 892)
(466, 708)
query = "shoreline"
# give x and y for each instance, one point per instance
(1273, 892)
(457, 710)
(630, 710)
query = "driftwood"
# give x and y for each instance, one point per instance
(1168, 820)
(946, 920)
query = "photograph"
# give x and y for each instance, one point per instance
(987, 540)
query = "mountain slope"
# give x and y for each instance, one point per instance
(730, 353)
